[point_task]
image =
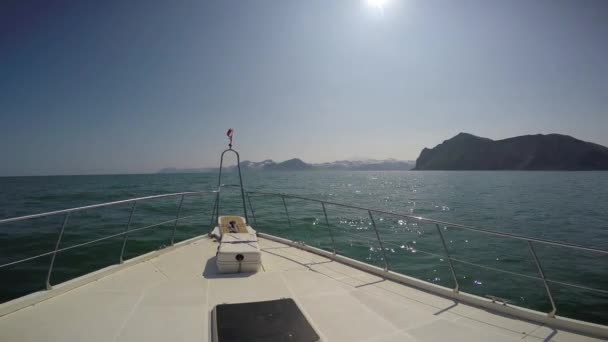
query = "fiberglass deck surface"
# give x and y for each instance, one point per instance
(170, 297)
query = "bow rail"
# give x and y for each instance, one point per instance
(443, 253)
(125, 233)
(530, 241)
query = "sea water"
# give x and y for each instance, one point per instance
(570, 207)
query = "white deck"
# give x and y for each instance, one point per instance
(169, 298)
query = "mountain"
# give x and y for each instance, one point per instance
(358, 165)
(296, 164)
(258, 166)
(529, 152)
(187, 170)
(292, 164)
(367, 165)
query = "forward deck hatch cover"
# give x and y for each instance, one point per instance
(274, 320)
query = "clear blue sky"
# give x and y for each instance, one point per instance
(135, 86)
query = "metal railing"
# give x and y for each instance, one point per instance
(531, 242)
(66, 215)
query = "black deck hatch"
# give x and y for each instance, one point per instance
(274, 320)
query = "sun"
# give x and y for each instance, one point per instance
(377, 4)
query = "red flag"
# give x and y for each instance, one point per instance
(229, 135)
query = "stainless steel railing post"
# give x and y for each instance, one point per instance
(179, 210)
(217, 203)
(542, 276)
(126, 236)
(447, 254)
(212, 223)
(251, 208)
(48, 276)
(371, 217)
(331, 234)
(286, 212)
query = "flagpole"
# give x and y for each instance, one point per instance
(229, 135)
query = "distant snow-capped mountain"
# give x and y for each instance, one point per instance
(367, 165)
(296, 164)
